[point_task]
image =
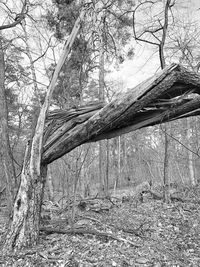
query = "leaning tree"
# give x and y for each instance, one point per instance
(23, 228)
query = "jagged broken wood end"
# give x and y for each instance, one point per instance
(171, 94)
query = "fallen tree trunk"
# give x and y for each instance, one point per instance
(157, 100)
(172, 94)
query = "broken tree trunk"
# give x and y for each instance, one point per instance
(157, 100)
(23, 229)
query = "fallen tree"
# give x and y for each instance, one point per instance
(171, 94)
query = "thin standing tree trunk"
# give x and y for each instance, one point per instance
(167, 137)
(76, 179)
(166, 180)
(126, 167)
(107, 169)
(102, 144)
(190, 154)
(119, 162)
(5, 151)
(50, 185)
(191, 168)
(179, 172)
(188, 133)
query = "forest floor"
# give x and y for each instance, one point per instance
(133, 233)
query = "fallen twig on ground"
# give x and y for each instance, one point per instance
(88, 232)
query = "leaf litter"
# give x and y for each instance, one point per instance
(129, 234)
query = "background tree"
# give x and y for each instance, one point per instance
(155, 34)
(6, 152)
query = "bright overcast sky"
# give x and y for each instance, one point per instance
(146, 60)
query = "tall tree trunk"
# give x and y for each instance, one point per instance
(23, 230)
(50, 185)
(118, 162)
(189, 152)
(5, 151)
(166, 179)
(102, 144)
(191, 168)
(167, 137)
(102, 166)
(184, 59)
(75, 185)
(107, 169)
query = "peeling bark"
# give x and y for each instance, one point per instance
(24, 225)
(23, 229)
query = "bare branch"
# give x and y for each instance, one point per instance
(18, 19)
(138, 38)
(165, 26)
(43, 52)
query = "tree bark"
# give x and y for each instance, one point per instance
(106, 182)
(23, 230)
(190, 154)
(50, 186)
(129, 111)
(68, 129)
(166, 135)
(166, 178)
(118, 182)
(5, 151)
(102, 143)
